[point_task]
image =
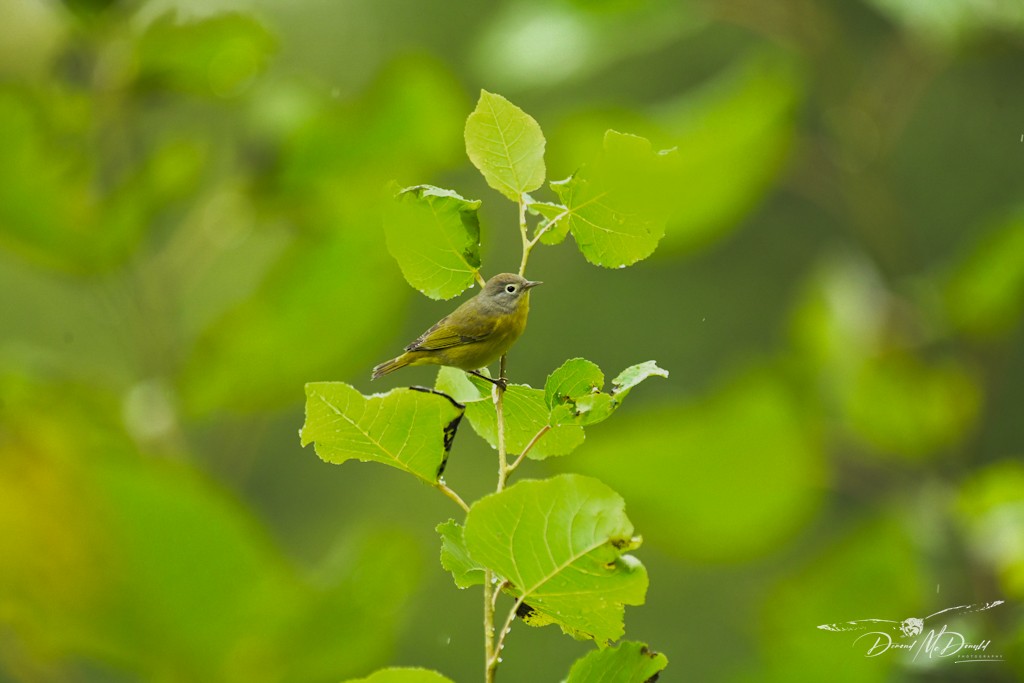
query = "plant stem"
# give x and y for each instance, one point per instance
(527, 245)
(492, 650)
(505, 628)
(536, 437)
(491, 659)
(490, 665)
(498, 393)
(446, 490)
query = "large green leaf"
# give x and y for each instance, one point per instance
(54, 209)
(154, 571)
(896, 403)
(867, 568)
(560, 543)
(984, 294)
(218, 55)
(733, 134)
(434, 234)
(901, 406)
(953, 22)
(506, 144)
(402, 675)
(408, 429)
(628, 662)
(304, 299)
(618, 205)
(750, 467)
(285, 274)
(455, 558)
(991, 513)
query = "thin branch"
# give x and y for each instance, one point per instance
(498, 393)
(446, 490)
(547, 226)
(496, 595)
(536, 437)
(529, 244)
(506, 628)
(491, 658)
(523, 233)
(489, 663)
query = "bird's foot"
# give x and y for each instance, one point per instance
(501, 382)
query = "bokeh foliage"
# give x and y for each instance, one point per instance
(190, 212)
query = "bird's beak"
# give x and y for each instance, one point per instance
(530, 284)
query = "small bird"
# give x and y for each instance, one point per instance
(476, 333)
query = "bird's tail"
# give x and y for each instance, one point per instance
(390, 366)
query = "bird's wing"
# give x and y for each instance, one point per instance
(442, 336)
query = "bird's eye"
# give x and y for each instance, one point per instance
(511, 289)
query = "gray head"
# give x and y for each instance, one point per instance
(506, 290)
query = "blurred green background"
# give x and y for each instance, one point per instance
(190, 197)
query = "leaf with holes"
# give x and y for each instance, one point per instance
(628, 662)
(434, 234)
(402, 675)
(506, 144)
(407, 429)
(574, 392)
(527, 418)
(561, 544)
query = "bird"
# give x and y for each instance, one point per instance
(476, 333)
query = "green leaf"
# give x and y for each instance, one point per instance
(991, 511)
(574, 378)
(734, 136)
(403, 675)
(870, 566)
(901, 406)
(628, 662)
(554, 226)
(455, 558)
(167, 567)
(506, 144)
(408, 429)
(951, 24)
(282, 272)
(618, 205)
(459, 385)
(574, 393)
(218, 56)
(560, 544)
(434, 234)
(552, 419)
(526, 416)
(984, 295)
(745, 490)
(54, 209)
(633, 375)
(298, 295)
